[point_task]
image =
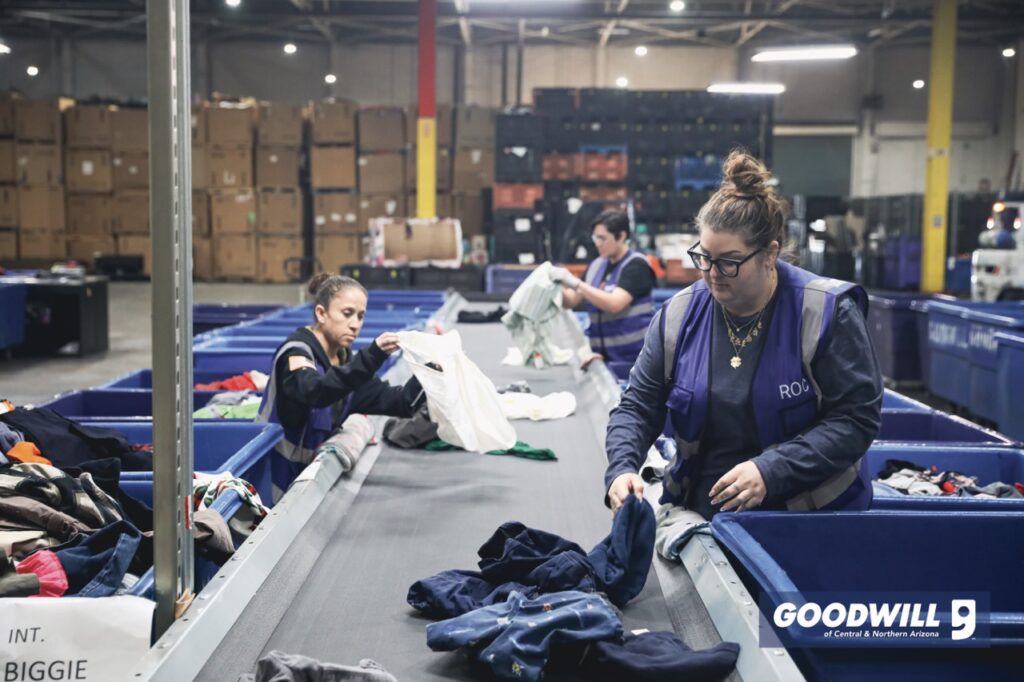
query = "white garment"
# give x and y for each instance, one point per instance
(461, 400)
(535, 408)
(534, 309)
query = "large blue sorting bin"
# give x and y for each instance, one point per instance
(891, 400)
(934, 427)
(243, 448)
(987, 464)
(1010, 383)
(984, 323)
(103, 404)
(949, 374)
(237, 355)
(902, 268)
(143, 378)
(893, 327)
(207, 316)
(779, 554)
(920, 308)
(281, 332)
(12, 314)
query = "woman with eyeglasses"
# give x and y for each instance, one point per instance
(765, 371)
(615, 291)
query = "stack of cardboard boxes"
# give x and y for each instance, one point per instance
(382, 164)
(8, 178)
(281, 205)
(337, 228)
(473, 172)
(89, 167)
(443, 134)
(228, 144)
(129, 211)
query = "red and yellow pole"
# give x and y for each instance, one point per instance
(426, 127)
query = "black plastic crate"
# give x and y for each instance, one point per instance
(604, 102)
(519, 164)
(519, 130)
(693, 104)
(650, 171)
(651, 106)
(379, 278)
(465, 278)
(559, 191)
(510, 222)
(555, 101)
(651, 205)
(683, 138)
(648, 138)
(684, 204)
(603, 132)
(561, 133)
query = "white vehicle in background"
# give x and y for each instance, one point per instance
(997, 270)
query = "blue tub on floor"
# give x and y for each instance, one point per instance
(1010, 383)
(102, 404)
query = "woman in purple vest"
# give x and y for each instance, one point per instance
(616, 291)
(765, 371)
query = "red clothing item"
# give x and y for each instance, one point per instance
(27, 453)
(241, 382)
(53, 581)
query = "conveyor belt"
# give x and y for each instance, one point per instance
(418, 513)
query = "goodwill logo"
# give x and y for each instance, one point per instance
(875, 620)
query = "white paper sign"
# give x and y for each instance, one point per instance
(73, 639)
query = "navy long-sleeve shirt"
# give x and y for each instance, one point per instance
(846, 371)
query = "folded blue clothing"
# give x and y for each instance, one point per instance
(517, 636)
(655, 657)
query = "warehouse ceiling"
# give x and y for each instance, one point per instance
(714, 23)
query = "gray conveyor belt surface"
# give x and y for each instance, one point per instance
(419, 513)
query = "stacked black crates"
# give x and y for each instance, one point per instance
(518, 169)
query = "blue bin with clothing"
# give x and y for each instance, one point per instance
(891, 400)
(112, 404)
(879, 556)
(242, 448)
(934, 427)
(143, 378)
(1009, 380)
(983, 325)
(893, 324)
(12, 314)
(207, 316)
(989, 465)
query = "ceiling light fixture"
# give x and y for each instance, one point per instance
(748, 88)
(330, 79)
(4, 49)
(918, 84)
(622, 82)
(1009, 52)
(802, 54)
(232, 3)
(640, 51)
(677, 5)
(289, 48)
(32, 71)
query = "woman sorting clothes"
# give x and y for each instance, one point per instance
(765, 371)
(616, 291)
(317, 380)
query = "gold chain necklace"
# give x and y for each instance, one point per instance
(735, 341)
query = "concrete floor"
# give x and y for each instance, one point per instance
(25, 381)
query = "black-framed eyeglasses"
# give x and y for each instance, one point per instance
(727, 267)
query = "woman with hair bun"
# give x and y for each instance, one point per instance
(317, 380)
(765, 371)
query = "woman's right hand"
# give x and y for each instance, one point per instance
(388, 342)
(622, 487)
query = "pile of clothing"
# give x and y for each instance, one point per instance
(247, 381)
(242, 405)
(540, 603)
(900, 477)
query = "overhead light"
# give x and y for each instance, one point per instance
(748, 88)
(677, 5)
(998, 207)
(918, 84)
(289, 48)
(1009, 52)
(232, 3)
(32, 70)
(544, 31)
(330, 79)
(640, 51)
(801, 54)
(4, 49)
(622, 82)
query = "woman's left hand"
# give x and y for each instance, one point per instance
(741, 488)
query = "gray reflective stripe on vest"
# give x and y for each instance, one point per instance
(291, 451)
(628, 311)
(815, 294)
(624, 339)
(673, 312)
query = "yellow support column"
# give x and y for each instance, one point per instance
(426, 128)
(426, 168)
(940, 133)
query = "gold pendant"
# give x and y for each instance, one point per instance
(736, 362)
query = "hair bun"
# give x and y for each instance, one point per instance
(744, 176)
(316, 282)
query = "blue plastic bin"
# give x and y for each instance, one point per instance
(1010, 383)
(505, 279)
(902, 258)
(112, 404)
(243, 448)
(934, 427)
(234, 356)
(920, 308)
(987, 464)
(949, 374)
(893, 327)
(958, 275)
(12, 314)
(207, 316)
(983, 325)
(782, 554)
(891, 400)
(143, 378)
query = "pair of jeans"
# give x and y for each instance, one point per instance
(95, 564)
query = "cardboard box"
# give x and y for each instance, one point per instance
(474, 126)
(468, 209)
(279, 125)
(381, 129)
(443, 119)
(333, 167)
(280, 211)
(200, 213)
(85, 247)
(228, 168)
(380, 206)
(277, 167)
(8, 245)
(130, 130)
(39, 120)
(90, 214)
(131, 170)
(382, 174)
(129, 214)
(8, 163)
(443, 179)
(42, 244)
(7, 118)
(200, 171)
(229, 126)
(334, 250)
(89, 125)
(39, 164)
(202, 259)
(473, 170)
(234, 256)
(137, 245)
(41, 207)
(273, 254)
(336, 213)
(90, 170)
(8, 206)
(415, 240)
(232, 211)
(333, 122)
(198, 125)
